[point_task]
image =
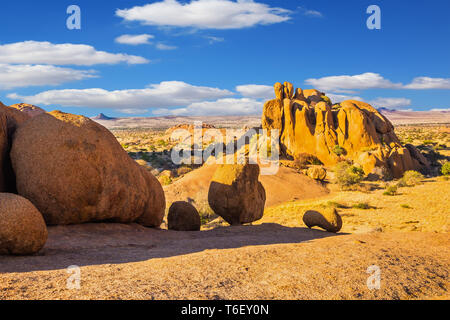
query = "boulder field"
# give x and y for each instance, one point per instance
(309, 123)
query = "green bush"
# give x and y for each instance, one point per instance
(338, 150)
(347, 174)
(445, 170)
(165, 180)
(410, 179)
(361, 205)
(327, 100)
(303, 160)
(391, 191)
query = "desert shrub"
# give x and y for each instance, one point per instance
(303, 160)
(361, 205)
(334, 204)
(410, 179)
(338, 150)
(183, 170)
(391, 190)
(165, 180)
(347, 174)
(445, 170)
(405, 206)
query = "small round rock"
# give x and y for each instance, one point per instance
(329, 219)
(22, 227)
(183, 216)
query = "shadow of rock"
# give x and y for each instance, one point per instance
(102, 243)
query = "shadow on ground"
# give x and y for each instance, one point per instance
(97, 244)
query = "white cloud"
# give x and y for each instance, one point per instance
(347, 83)
(34, 52)
(221, 107)
(206, 14)
(163, 95)
(16, 76)
(441, 110)
(337, 98)
(256, 91)
(422, 83)
(390, 103)
(162, 46)
(134, 39)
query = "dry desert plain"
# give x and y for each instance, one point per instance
(404, 233)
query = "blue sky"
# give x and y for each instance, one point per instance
(213, 57)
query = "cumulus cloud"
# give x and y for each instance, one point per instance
(390, 103)
(134, 40)
(34, 52)
(348, 83)
(310, 13)
(221, 107)
(256, 91)
(163, 95)
(422, 83)
(19, 76)
(206, 14)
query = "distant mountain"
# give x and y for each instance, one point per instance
(101, 116)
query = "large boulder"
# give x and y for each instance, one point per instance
(236, 195)
(22, 228)
(10, 120)
(309, 123)
(74, 171)
(183, 216)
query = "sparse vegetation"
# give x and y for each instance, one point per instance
(391, 190)
(361, 205)
(405, 206)
(347, 174)
(303, 160)
(410, 179)
(445, 170)
(338, 150)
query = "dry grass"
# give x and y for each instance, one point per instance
(428, 209)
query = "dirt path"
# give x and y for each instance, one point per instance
(267, 261)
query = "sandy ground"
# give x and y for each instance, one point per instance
(267, 261)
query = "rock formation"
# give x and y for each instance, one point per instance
(22, 228)
(74, 171)
(183, 216)
(236, 195)
(309, 123)
(329, 219)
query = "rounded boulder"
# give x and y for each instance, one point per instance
(236, 195)
(329, 219)
(22, 228)
(75, 171)
(183, 216)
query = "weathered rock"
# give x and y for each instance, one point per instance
(317, 173)
(308, 123)
(329, 219)
(22, 228)
(74, 171)
(28, 109)
(183, 216)
(236, 195)
(10, 120)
